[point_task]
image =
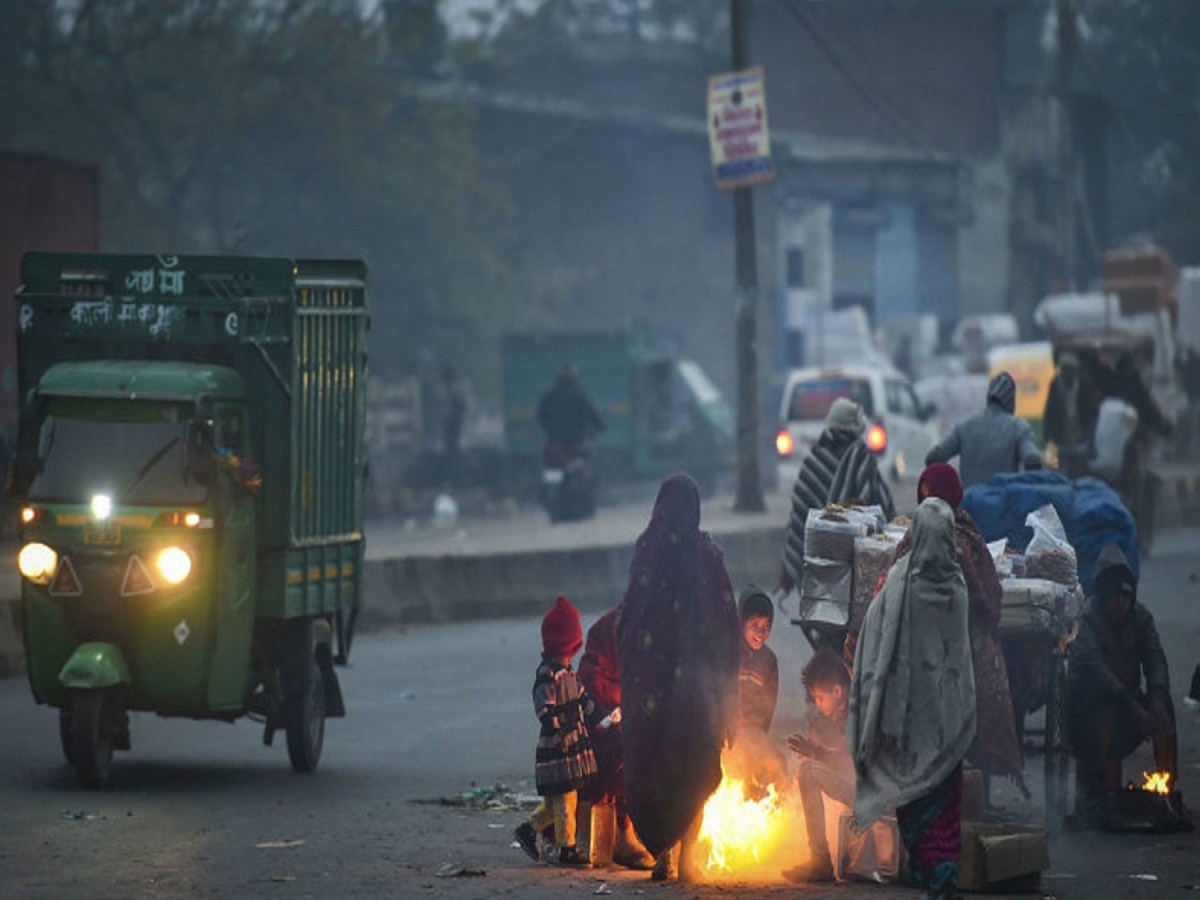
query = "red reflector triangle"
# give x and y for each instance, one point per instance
(66, 582)
(137, 579)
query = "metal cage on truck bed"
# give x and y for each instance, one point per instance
(296, 332)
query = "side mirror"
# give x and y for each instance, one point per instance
(928, 411)
(33, 443)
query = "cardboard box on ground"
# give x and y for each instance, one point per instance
(1002, 858)
(994, 858)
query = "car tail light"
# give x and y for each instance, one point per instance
(784, 444)
(877, 438)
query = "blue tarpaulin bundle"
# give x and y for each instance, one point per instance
(1091, 512)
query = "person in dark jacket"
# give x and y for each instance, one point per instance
(992, 441)
(758, 692)
(1069, 419)
(567, 416)
(1118, 689)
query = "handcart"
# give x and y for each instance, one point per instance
(1039, 620)
(847, 552)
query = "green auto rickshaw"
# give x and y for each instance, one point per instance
(190, 473)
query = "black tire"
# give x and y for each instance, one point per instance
(64, 736)
(92, 737)
(1058, 758)
(305, 718)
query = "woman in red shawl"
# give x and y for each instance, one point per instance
(678, 637)
(995, 750)
(600, 674)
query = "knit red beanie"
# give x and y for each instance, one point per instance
(562, 635)
(940, 480)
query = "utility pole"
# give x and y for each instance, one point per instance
(1065, 33)
(749, 496)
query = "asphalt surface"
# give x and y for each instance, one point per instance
(421, 784)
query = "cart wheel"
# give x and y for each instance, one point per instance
(92, 738)
(64, 736)
(1058, 759)
(305, 716)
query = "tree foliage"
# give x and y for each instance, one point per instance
(276, 127)
(1145, 60)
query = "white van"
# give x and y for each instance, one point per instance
(900, 429)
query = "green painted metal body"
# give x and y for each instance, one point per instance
(271, 355)
(94, 665)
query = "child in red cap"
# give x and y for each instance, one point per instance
(564, 759)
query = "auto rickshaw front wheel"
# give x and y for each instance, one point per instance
(93, 737)
(65, 737)
(304, 716)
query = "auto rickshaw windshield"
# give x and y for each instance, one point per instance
(136, 452)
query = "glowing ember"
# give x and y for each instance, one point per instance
(1157, 782)
(742, 833)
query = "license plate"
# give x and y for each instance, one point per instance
(107, 533)
(552, 476)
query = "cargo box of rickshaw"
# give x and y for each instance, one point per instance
(289, 335)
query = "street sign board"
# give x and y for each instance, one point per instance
(737, 129)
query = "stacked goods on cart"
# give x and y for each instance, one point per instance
(1049, 596)
(829, 592)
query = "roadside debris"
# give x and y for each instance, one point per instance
(456, 870)
(496, 798)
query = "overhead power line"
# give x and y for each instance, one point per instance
(907, 128)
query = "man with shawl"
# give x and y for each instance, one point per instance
(912, 702)
(840, 466)
(678, 635)
(996, 750)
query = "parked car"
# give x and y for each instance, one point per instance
(901, 429)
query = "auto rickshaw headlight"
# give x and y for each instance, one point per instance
(173, 564)
(37, 562)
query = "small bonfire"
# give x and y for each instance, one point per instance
(750, 832)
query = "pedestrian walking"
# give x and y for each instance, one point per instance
(990, 442)
(839, 467)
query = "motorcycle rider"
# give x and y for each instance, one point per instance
(569, 419)
(567, 416)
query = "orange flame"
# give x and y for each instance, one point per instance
(749, 834)
(1157, 782)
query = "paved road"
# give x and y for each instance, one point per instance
(435, 713)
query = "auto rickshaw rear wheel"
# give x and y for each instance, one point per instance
(93, 736)
(304, 714)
